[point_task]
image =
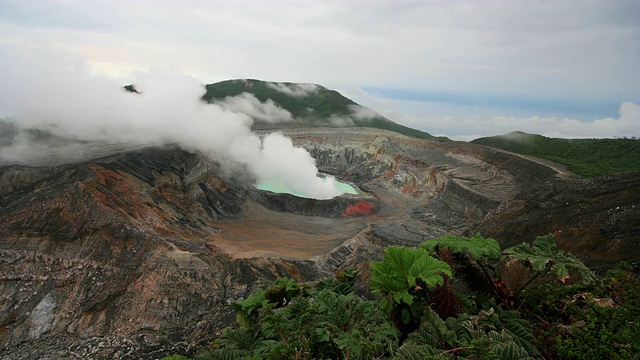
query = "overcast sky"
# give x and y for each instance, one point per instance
(457, 68)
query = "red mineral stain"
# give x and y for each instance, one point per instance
(362, 208)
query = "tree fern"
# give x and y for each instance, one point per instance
(247, 310)
(241, 339)
(490, 334)
(520, 329)
(469, 258)
(231, 354)
(504, 346)
(412, 350)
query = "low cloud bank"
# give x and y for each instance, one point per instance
(248, 104)
(626, 125)
(295, 90)
(56, 93)
(466, 123)
(357, 115)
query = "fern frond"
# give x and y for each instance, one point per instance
(240, 339)
(411, 350)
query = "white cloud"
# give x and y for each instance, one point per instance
(248, 104)
(338, 120)
(468, 122)
(558, 48)
(360, 112)
(627, 124)
(295, 90)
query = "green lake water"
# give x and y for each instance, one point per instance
(278, 186)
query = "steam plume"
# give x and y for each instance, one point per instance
(46, 90)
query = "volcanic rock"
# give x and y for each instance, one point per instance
(140, 254)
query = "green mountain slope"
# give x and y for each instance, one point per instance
(310, 105)
(586, 157)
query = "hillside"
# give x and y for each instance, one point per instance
(585, 157)
(309, 104)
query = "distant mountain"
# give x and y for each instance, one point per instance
(309, 105)
(585, 157)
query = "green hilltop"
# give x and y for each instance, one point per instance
(310, 105)
(585, 157)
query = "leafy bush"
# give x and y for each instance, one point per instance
(594, 319)
(492, 334)
(324, 320)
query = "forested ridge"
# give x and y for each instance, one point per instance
(318, 106)
(585, 157)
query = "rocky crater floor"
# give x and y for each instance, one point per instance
(139, 254)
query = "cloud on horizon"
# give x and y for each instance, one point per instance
(466, 123)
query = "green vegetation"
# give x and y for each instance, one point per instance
(318, 106)
(585, 157)
(483, 318)
(596, 321)
(320, 103)
(543, 257)
(402, 279)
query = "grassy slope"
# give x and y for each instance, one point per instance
(319, 108)
(586, 157)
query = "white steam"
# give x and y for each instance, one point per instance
(43, 89)
(295, 90)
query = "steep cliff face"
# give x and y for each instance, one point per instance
(596, 219)
(138, 254)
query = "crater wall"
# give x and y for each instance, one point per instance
(143, 252)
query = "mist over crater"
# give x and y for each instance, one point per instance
(78, 114)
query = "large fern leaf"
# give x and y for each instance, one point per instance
(230, 354)
(475, 247)
(506, 348)
(543, 256)
(401, 270)
(412, 350)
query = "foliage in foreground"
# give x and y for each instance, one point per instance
(291, 321)
(596, 321)
(594, 318)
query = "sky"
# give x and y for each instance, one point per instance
(462, 69)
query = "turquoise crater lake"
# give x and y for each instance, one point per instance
(279, 186)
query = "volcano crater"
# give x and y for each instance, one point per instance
(156, 243)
